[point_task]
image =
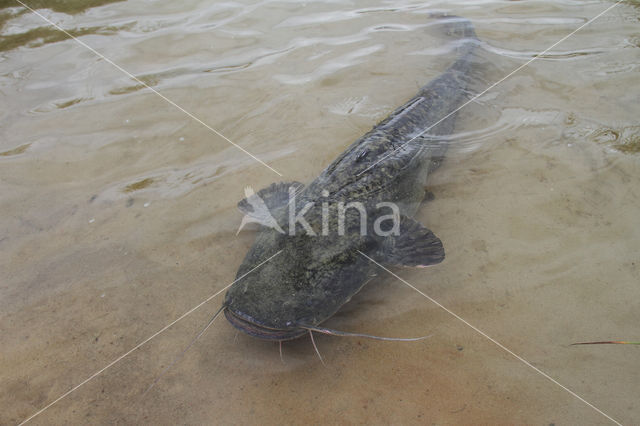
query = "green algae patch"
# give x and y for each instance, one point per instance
(148, 80)
(136, 186)
(125, 90)
(630, 145)
(44, 35)
(65, 6)
(15, 151)
(69, 103)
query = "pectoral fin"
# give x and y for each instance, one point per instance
(415, 246)
(273, 196)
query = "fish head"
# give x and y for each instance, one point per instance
(303, 285)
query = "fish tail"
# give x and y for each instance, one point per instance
(462, 29)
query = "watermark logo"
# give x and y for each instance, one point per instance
(256, 209)
(259, 213)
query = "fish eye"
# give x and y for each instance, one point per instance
(361, 155)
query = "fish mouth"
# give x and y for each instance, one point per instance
(247, 325)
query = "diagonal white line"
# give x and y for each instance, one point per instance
(148, 87)
(500, 345)
(473, 99)
(190, 311)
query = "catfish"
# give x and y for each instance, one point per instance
(360, 207)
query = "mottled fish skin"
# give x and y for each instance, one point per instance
(314, 276)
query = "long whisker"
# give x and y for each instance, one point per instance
(368, 336)
(181, 354)
(316, 348)
(280, 346)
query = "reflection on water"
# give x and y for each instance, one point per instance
(118, 211)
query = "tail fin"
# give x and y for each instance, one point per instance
(457, 26)
(461, 29)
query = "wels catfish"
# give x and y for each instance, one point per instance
(319, 231)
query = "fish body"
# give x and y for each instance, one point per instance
(320, 263)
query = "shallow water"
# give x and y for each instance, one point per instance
(118, 211)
